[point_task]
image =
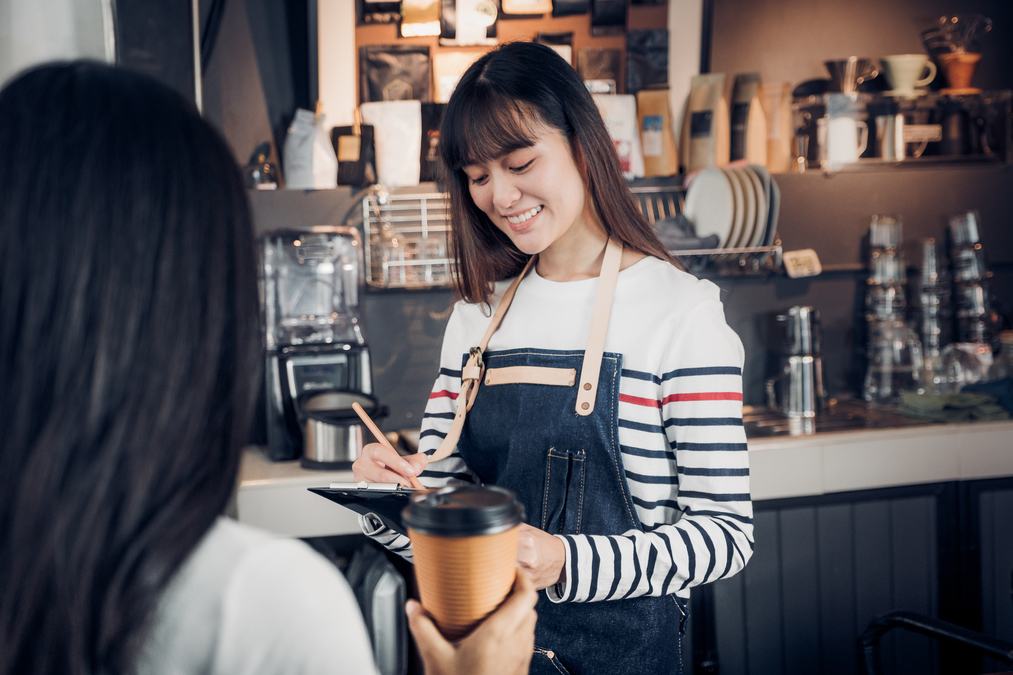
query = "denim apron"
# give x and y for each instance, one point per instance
(567, 470)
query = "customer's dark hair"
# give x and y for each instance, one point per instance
(499, 106)
(128, 357)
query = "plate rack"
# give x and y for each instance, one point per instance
(406, 238)
(406, 234)
(659, 202)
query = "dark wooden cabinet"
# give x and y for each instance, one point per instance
(825, 566)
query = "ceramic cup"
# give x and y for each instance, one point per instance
(904, 71)
(845, 139)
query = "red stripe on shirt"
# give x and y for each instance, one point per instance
(452, 395)
(636, 400)
(704, 396)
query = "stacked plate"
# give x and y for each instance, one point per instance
(739, 205)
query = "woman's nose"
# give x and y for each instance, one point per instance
(505, 193)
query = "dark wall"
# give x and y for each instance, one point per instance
(788, 40)
(156, 37)
(831, 216)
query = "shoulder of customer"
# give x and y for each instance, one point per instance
(249, 601)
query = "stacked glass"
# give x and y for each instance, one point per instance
(973, 310)
(933, 293)
(894, 352)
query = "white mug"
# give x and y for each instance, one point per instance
(903, 70)
(845, 139)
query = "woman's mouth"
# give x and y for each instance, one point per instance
(519, 221)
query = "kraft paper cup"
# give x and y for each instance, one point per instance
(464, 542)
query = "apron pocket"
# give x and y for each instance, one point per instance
(564, 491)
(545, 661)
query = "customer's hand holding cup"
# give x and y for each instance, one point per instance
(464, 543)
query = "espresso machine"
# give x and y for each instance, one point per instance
(317, 359)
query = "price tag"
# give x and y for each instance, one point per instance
(919, 133)
(803, 263)
(348, 148)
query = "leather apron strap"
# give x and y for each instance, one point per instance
(588, 389)
(474, 369)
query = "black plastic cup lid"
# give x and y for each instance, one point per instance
(463, 511)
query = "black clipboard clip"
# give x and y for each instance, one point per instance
(386, 500)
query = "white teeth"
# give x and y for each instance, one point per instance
(527, 215)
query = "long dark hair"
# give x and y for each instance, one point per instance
(496, 108)
(128, 357)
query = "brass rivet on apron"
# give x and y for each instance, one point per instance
(587, 386)
(585, 406)
(570, 383)
(488, 380)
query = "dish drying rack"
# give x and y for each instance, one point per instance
(659, 202)
(406, 237)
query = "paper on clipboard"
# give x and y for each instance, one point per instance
(386, 500)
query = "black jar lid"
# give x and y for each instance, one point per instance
(463, 511)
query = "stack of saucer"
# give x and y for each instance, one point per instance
(738, 205)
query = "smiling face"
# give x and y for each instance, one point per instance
(536, 194)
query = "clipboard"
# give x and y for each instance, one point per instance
(386, 500)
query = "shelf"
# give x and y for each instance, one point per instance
(931, 129)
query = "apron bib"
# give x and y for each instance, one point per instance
(545, 427)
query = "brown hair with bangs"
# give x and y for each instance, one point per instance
(497, 107)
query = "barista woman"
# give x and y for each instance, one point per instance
(129, 355)
(605, 388)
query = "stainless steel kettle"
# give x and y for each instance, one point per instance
(799, 388)
(333, 434)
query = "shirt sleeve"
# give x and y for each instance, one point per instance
(288, 610)
(436, 423)
(709, 534)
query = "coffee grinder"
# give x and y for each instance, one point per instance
(317, 359)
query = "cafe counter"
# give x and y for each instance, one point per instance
(274, 495)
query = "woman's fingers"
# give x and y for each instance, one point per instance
(541, 555)
(379, 464)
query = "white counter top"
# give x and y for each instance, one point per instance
(861, 460)
(273, 495)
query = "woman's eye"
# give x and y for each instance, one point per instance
(478, 181)
(519, 169)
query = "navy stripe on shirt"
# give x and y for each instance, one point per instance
(438, 416)
(638, 426)
(641, 452)
(702, 422)
(706, 370)
(710, 549)
(695, 471)
(723, 497)
(653, 480)
(712, 447)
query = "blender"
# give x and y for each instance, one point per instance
(317, 361)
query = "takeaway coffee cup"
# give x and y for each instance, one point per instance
(464, 541)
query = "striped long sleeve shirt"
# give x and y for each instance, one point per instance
(680, 429)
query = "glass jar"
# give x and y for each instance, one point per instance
(894, 362)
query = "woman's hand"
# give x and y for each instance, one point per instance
(380, 464)
(541, 555)
(501, 645)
